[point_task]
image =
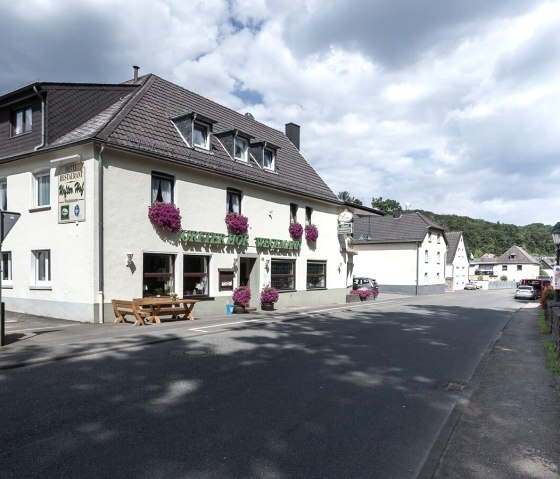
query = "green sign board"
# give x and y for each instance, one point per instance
(345, 228)
(210, 238)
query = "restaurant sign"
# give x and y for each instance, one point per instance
(210, 238)
(71, 193)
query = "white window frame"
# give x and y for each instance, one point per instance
(35, 189)
(426, 256)
(3, 194)
(272, 165)
(6, 274)
(22, 121)
(244, 147)
(37, 257)
(206, 129)
(438, 257)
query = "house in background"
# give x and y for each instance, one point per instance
(547, 265)
(83, 163)
(515, 264)
(457, 263)
(405, 253)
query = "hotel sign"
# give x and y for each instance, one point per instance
(71, 193)
(220, 239)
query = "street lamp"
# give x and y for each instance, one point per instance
(556, 239)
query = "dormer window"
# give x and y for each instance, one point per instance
(268, 159)
(22, 121)
(200, 135)
(241, 147)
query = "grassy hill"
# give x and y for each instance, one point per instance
(485, 237)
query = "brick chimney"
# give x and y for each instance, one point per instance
(292, 132)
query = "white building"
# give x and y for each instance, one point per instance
(457, 264)
(404, 253)
(515, 264)
(83, 163)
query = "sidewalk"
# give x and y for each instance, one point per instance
(509, 426)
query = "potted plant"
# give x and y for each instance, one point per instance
(311, 233)
(296, 230)
(237, 223)
(363, 294)
(241, 299)
(165, 216)
(269, 296)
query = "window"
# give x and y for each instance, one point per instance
(233, 200)
(7, 266)
(42, 189)
(504, 267)
(438, 257)
(195, 275)
(162, 188)
(293, 213)
(240, 148)
(22, 121)
(429, 237)
(226, 279)
(438, 238)
(426, 256)
(316, 274)
(158, 274)
(3, 194)
(268, 159)
(308, 214)
(200, 135)
(519, 267)
(425, 278)
(41, 267)
(282, 275)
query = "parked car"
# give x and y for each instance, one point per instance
(471, 285)
(526, 292)
(365, 283)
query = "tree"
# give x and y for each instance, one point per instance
(387, 206)
(345, 196)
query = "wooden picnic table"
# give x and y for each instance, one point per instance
(166, 307)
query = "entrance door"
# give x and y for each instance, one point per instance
(245, 271)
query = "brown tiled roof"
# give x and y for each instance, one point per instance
(139, 117)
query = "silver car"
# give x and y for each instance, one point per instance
(525, 292)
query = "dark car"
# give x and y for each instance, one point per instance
(365, 283)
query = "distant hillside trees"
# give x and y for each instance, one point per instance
(385, 205)
(345, 196)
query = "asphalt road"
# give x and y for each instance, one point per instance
(346, 394)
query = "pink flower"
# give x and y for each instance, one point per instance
(237, 223)
(296, 230)
(165, 216)
(311, 233)
(269, 295)
(241, 295)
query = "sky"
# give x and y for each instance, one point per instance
(446, 106)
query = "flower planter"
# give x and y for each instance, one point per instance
(267, 306)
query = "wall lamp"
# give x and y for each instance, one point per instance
(129, 257)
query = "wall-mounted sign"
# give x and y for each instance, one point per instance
(72, 193)
(345, 217)
(208, 237)
(345, 228)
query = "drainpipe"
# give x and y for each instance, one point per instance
(101, 283)
(417, 266)
(42, 119)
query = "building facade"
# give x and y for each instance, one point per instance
(99, 174)
(457, 265)
(514, 265)
(404, 253)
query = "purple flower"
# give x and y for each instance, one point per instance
(241, 295)
(237, 223)
(165, 216)
(269, 295)
(296, 230)
(311, 233)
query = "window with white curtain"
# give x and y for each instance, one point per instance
(22, 121)
(200, 136)
(162, 188)
(233, 201)
(240, 148)
(268, 159)
(41, 267)
(6, 267)
(42, 189)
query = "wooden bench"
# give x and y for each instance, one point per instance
(123, 308)
(156, 307)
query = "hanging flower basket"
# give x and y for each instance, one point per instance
(311, 233)
(165, 216)
(237, 223)
(296, 231)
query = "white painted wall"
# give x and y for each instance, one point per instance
(458, 267)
